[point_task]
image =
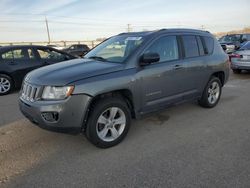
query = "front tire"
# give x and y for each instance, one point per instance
(6, 84)
(109, 122)
(211, 94)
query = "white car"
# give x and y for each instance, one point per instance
(240, 59)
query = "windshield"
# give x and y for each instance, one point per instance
(246, 46)
(230, 38)
(115, 49)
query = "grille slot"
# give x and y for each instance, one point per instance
(30, 92)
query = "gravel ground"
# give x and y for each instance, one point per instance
(184, 146)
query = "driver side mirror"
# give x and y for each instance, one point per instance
(149, 58)
(66, 57)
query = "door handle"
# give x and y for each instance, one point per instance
(177, 67)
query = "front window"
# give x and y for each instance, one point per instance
(230, 38)
(50, 54)
(166, 47)
(246, 37)
(246, 46)
(116, 49)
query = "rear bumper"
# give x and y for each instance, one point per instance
(71, 112)
(240, 65)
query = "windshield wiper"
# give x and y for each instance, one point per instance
(97, 58)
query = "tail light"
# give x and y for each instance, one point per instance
(234, 56)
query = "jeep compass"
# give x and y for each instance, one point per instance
(127, 76)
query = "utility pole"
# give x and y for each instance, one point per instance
(129, 28)
(47, 27)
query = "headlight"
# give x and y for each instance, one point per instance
(52, 92)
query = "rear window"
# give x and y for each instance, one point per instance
(190, 46)
(16, 54)
(208, 45)
(200, 45)
(7, 55)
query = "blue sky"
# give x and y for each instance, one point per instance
(23, 20)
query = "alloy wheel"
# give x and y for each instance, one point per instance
(4, 85)
(213, 92)
(111, 124)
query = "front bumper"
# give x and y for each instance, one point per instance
(71, 112)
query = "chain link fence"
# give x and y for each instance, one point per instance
(64, 44)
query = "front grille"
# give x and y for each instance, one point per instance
(30, 92)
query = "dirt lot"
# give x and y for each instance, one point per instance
(184, 146)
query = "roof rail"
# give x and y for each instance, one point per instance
(161, 30)
(122, 33)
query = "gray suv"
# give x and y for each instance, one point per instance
(125, 77)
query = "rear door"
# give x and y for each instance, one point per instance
(195, 64)
(20, 61)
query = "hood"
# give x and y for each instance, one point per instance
(63, 73)
(227, 43)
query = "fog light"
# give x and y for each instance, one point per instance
(50, 116)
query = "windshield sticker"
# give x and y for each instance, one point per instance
(133, 38)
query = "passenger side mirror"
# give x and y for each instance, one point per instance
(149, 58)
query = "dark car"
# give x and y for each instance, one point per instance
(233, 42)
(126, 76)
(17, 61)
(77, 50)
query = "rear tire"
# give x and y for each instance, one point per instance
(109, 122)
(211, 94)
(236, 71)
(6, 84)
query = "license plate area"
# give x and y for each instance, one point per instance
(246, 57)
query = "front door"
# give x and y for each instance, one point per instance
(161, 83)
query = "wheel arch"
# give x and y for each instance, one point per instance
(220, 75)
(125, 94)
(8, 74)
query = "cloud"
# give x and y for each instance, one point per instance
(32, 6)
